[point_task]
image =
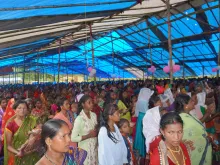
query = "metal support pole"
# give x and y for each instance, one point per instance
(3, 79)
(23, 77)
(59, 50)
(169, 41)
(93, 56)
(113, 57)
(183, 63)
(203, 71)
(218, 62)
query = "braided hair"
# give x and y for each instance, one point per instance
(109, 109)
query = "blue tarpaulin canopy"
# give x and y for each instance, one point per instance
(128, 36)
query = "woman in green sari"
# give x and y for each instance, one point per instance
(16, 134)
(195, 131)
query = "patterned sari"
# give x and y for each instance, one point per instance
(195, 131)
(75, 156)
(20, 138)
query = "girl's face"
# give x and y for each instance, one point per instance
(66, 105)
(38, 105)
(134, 99)
(125, 128)
(173, 134)
(124, 94)
(113, 95)
(21, 110)
(88, 105)
(102, 94)
(74, 107)
(115, 117)
(158, 103)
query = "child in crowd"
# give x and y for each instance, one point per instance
(74, 109)
(33, 143)
(125, 130)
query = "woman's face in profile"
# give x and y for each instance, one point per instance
(61, 142)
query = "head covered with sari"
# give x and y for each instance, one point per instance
(143, 98)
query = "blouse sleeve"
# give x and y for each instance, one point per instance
(10, 127)
(75, 137)
(155, 157)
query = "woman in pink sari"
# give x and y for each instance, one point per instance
(65, 114)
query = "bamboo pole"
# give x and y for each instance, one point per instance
(169, 41)
(93, 56)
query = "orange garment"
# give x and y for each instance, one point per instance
(9, 112)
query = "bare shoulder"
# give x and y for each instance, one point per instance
(42, 161)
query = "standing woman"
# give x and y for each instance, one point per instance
(84, 131)
(16, 131)
(65, 114)
(112, 149)
(194, 130)
(141, 108)
(171, 150)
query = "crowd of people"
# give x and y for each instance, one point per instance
(111, 123)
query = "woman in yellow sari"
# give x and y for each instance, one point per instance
(16, 134)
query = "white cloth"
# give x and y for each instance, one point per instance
(143, 99)
(110, 153)
(151, 125)
(78, 97)
(201, 98)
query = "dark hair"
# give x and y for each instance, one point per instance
(1, 99)
(109, 109)
(17, 103)
(83, 99)
(50, 129)
(170, 118)
(60, 102)
(108, 98)
(122, 122)
(153, 100)
(37, 100)
(180, 101)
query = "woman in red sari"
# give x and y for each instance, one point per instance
(171, 150)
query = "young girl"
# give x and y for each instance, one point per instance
(112, 149)
(74, 109)
(84, 131)
(125, 129)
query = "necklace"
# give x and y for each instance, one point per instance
(177, 163)
(178, 151)
(49, 159)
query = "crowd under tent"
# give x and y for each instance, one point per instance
(119, 38)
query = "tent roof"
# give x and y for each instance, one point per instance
(31, 33)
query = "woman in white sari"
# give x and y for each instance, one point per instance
(141, 108)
